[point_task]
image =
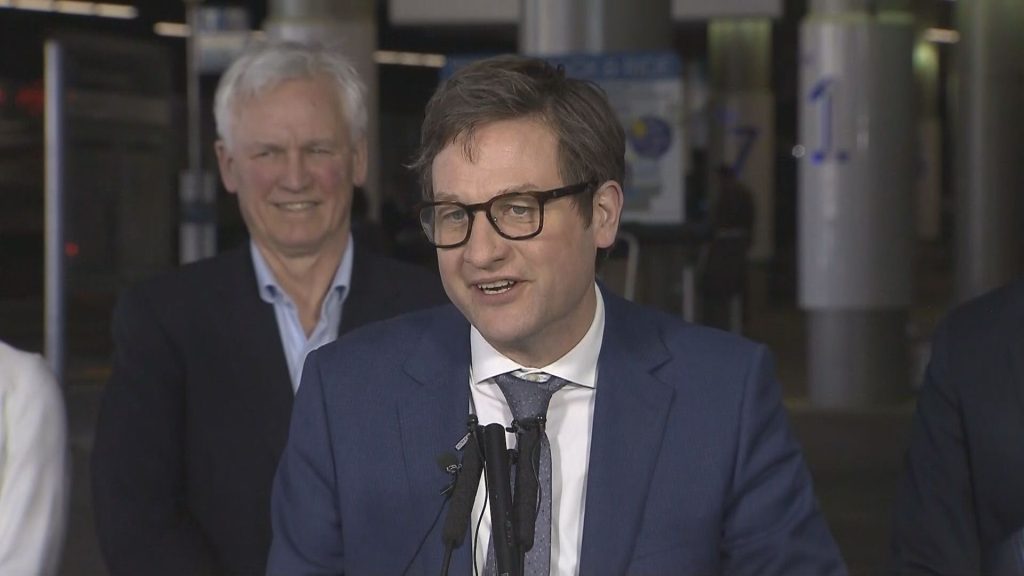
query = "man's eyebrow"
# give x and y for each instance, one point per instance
(441, 196)
(259, 145)
(444, 197)
(325, 142)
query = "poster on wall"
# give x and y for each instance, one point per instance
(646, 91)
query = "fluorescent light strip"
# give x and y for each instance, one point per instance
(181, 30)
(116, 11)
(409, 59)
(172, 29)
(74, 8)
(34, 5)
(941, 36)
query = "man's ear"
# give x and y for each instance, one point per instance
(607, 210)
(359, 162)
(225, 161)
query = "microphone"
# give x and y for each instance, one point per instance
(524, 505)
(463, 493)
(499, 488)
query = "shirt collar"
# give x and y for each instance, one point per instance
(270, 290)
(578, 366)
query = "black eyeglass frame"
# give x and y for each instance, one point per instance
(542, 198)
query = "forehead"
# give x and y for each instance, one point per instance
(307, 104)
(497, 157)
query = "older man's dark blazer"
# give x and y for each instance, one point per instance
(961, 506)
(196, 412)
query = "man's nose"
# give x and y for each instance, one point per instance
(296, 176)
(485, 246)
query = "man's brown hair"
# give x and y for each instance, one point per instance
(591, 142)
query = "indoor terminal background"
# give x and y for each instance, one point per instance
(883, 142)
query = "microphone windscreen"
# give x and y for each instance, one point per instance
(461, 506)
(447, 462)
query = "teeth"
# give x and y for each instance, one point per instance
(296, 206)
(496, 287)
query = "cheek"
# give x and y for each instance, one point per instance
(448, 265)
(333, 179)
(259, 176)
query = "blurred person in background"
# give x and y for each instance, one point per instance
(960, 510)
(724, 263)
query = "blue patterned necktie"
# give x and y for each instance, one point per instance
(527, 400)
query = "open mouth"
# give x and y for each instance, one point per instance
(496, 287)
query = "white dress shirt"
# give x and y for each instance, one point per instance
(33, 465)
(569, 421)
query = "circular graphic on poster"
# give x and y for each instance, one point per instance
(649, 136)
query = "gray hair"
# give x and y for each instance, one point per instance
(266, 65)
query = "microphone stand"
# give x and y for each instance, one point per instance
(524, 504)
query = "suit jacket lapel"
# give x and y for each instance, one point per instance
(432, 417)
(255, 353)
(370, 291)
(630, 413)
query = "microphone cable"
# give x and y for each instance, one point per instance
(479, 524)
(448, 464)
(425, 536)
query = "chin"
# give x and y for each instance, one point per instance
(502, 337)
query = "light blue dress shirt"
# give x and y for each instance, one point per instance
(293, 337)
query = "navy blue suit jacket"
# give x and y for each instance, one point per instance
(693, 469)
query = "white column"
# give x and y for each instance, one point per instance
(856, 230)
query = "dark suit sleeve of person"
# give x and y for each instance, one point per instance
(935, 526)
(773, 525)
(138, 488)
(303, 509)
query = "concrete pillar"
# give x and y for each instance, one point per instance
(351, 26)
(856, 229)
(555, 27)
(552, 27)
(989, 144)
(549, 27)
(743, 124)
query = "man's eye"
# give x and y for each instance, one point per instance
(519, 210)
(451, 216)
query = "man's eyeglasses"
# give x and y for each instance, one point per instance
(516, 215)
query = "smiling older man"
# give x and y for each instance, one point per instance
(208, 357)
